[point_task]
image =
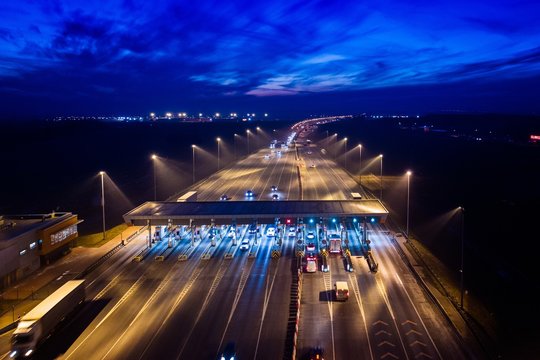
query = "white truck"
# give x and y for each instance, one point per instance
(34, 327)
(189, 196)
(342, 290)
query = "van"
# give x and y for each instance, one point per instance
(342, 290)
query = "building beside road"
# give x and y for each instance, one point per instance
(29, 241)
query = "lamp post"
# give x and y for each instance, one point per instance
(235, 136)
(248, 132)
(218, 151)
(462, 254)
(335, 147)
(102, 173)
(258, 138)
(409, 173)
(360, 163)
(193, 148)
(154, 157)
(345, 153)
(380, 157)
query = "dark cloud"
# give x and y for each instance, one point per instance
(150, 56)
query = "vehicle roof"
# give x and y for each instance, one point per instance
(52, 300)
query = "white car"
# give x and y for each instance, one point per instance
(244, 245)
(271, 231)
(310, 236)
(311, 266)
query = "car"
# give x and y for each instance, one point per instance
(249, 193)
(274, 188)
(315, 354)
(313, 165)
(231, 233)
(309, 152)
(310, 236)
(270, 231)
(311, 265)
(224, 197)
(292, 232)
(228, 353)
(252, 228)
(310, 246)
(275, 197)
(244, 245)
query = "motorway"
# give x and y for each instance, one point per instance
(194, 309)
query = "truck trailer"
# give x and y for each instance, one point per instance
(34, 327)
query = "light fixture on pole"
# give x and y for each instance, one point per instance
(335, 146)
(218, 151)
(461, 285)
(409, 173)
(345, 153)
(360, 163)
(380, 197)
(102, 173)
(193, 148)
(154, 158)
(235, 136)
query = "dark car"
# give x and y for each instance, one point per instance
(224, 197)
(249, 193)
(274, 188)
(275, 197)
(228, 353)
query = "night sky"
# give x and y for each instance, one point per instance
(287, 58)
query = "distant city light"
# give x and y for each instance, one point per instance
(152, 114)
(217, 114)
(265, 115)
(169, 115)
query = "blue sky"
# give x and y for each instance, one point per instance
(281, 57)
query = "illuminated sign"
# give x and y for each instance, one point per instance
(63, 234)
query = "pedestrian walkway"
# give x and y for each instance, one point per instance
(24, 296)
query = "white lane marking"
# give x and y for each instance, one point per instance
(382, 290)
(178, 300)
(268, 292)
(356, 290)
(215, 283)
(239, 291)
(327, 279)
(419, 317)
(128, 293)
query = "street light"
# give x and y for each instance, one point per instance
(154, 157)
(345, 153)
(360, 163)
(462, 253)
(409, 173)
(218, 146)
(248, 132)
(102, 173)
(235, 136)
(193, 148)
(335, 147)
(380, 197)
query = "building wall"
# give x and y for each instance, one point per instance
(53, 239)
(23, 254)
(19, 258)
